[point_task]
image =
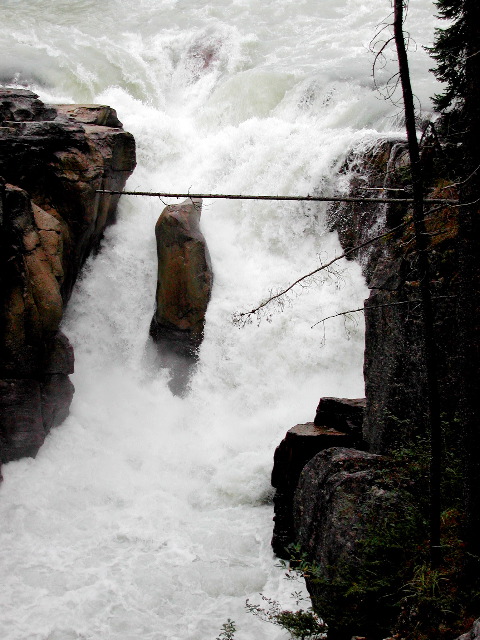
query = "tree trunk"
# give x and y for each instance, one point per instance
(421, 242)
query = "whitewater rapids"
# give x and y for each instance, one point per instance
(148, 516)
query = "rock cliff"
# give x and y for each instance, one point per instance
(53, 159)
(393, 365)
(359, 513)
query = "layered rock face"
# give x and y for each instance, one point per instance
(346, 509)
(51, 219)
(184, 287)
(338, 423)
(393, 366)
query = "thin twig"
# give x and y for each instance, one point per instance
(323, 267)
(374, 306)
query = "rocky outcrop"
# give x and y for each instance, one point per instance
(343, 414)
(393, 365)
(61, 163)
(473, 634)
(354, 522)
(348, 512)
(300, 444)
(184, 277)
(338, 423)
(184, 287)
(35, 358)
(51, 219)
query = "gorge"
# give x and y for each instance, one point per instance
(145, 513)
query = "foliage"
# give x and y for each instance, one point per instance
(438, 602)
(449, 51)
(228, 631)
(301, 624)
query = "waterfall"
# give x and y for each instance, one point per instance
(147, 515)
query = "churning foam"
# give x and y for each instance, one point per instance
(146, 515)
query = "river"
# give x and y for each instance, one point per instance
(147, 516)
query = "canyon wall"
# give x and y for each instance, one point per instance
(355, 509)
(53, 159)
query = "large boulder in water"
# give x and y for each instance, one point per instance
(184, 279)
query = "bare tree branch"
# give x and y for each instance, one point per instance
(308, 198)
(322, 267)
(374, 306)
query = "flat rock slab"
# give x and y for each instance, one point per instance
(344, 414)
(99, 114)
(301, 443)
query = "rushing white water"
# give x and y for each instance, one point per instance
(146, 515)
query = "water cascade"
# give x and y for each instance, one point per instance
(148, 515)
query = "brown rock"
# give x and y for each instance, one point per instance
(31, 303)
(51, 219)
(61, 164)
(184, 278)
(91, 114)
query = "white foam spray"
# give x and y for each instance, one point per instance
(146, 515)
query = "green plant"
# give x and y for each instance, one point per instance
(301, 624)
(228, 631)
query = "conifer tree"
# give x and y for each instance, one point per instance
(450, 51)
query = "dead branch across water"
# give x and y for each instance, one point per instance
(307, 198)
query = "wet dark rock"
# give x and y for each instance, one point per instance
(300, 445)
(393, 365)
(353, 513)
(57, 393)
(343, 506)
(52, 162)
(343, 414)
(333, 478)
(59, 357)
(22, 432)
(184, 287)
(20, 105)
